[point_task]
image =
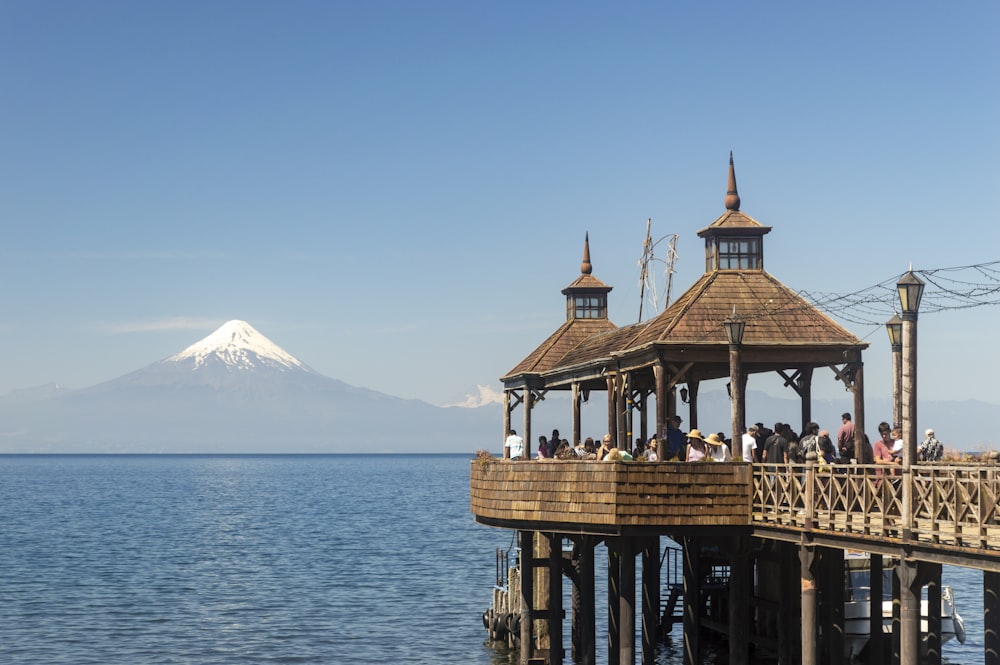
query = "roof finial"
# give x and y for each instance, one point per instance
(586, 268)
(732, 196)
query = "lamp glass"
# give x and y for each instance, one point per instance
(894, 327)
(734, 326)
(911, 290)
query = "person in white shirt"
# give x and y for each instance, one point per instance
(514, 445)
(718, 451)
(750, 445)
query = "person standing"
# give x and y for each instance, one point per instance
(845, 439)
(776, 448)
(931, 450)
(675, 440)
(514, 446)
(718, 451)
(750, 444)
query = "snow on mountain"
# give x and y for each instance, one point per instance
(238, 345)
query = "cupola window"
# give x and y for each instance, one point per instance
(587, 306)
(740, 253)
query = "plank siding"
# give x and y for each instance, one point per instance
(611, 494)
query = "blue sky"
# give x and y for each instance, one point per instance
(397, 192)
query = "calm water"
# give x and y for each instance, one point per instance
(261, 559)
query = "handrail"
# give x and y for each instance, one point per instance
(952, 504)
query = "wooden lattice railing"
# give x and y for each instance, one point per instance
(951, 505)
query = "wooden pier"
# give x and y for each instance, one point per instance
(785, 527)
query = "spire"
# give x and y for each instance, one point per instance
(586, 268)
(732, 196)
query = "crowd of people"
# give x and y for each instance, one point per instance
(758, 443)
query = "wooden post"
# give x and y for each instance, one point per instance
(527, 539)
(527, 421)
(807, 557)
(643, 419)
(805, 390)
(506, 422)
(660, 376)
(650, 598)
(991, 617)
(576, 413)
(876, 641)
(614, 600)
(612, 409)
(788, 638)
(931, 572)
(555, 600)
(693, 402)
(692, 593)
(740, 577)
(736, 416)
(626, 613)
(859, 409)
(909, 610)
(588, 609)
(833, 594)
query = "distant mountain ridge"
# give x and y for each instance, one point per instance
(235, 391)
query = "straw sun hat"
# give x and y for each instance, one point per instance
(695, 434)
(713, 440)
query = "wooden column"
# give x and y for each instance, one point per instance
(660, 377)
(859, 409)
(931, 573)
(588, 609)
(527, 539)
(612, 409)
(692, 594)
(506, 421)
(832, 592)
(736, 407)
(896, 614)
(528, 404)
(788, 606)
(555, 600)
(614, 600)
(740, 618)
(650, 598)
(643, 419)
(909, 610)
(807, 559)
(805, 394)
(626, 613)
(693, 403)
(576, 414)
(991, 617)
(876, 639)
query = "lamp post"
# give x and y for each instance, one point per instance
(734, 326)
(894, 327)
(910, 289)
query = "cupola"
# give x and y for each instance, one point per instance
(735, 241)
(587, 296)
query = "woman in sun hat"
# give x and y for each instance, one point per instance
(718, 451)
(696, 450)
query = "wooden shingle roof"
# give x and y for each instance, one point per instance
(775, 315)
(569, 335)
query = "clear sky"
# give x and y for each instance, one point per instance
(396, 192)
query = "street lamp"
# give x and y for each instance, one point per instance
(894, 327)
(735, 325)
(910, 289)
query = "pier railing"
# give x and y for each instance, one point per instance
(953, 505)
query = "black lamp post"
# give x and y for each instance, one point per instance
(894, 327)
(734, 326)
(911, 289)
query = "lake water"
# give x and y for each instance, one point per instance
(263, 559)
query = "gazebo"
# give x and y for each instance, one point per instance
(735, 321)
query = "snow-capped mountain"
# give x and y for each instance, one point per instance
(234, 391)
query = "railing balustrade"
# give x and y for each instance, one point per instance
(952, 504)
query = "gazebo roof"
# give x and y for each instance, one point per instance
(775, 315)
(550, 353)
